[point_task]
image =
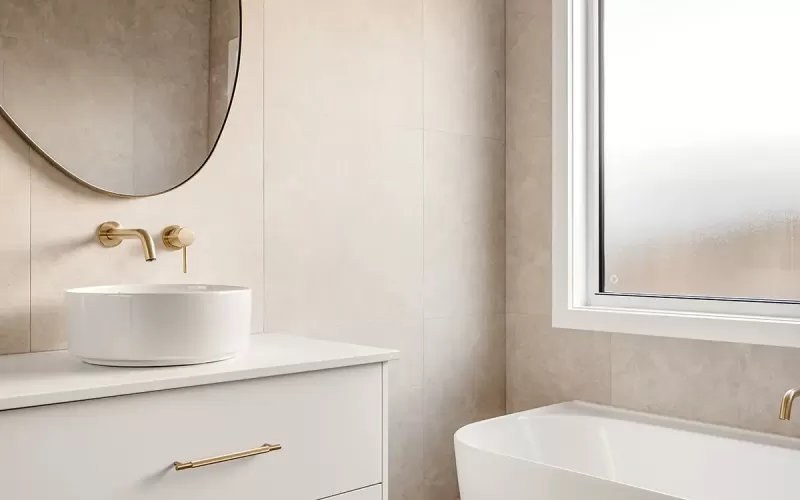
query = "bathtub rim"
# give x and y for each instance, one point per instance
(586, 409)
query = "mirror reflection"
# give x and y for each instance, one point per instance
(127, 96)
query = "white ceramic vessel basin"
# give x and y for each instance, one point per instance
(157, 325)
(580, 451)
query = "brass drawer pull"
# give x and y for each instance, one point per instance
(227, 458)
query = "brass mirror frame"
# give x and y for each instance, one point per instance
(36, 147)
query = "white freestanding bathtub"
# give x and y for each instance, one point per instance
(580, 451)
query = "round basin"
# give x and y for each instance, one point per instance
(157, 325)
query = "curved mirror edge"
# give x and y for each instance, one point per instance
(159, 165)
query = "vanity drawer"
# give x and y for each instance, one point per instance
(329, 424)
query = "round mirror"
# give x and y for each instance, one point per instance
(128, 97)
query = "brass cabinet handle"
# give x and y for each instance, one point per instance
(227, 458)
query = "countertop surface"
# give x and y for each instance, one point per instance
(57, 377)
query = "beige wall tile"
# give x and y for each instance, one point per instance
(465, 66)
(520, 16)
(464, 225)
(528, 80)
(353, 62)
(528, 227)
(716, 382)
(464, 383)
(226, 197)
(344, 226)
(15, 242)
(547, 366)
(690, 379)
(528, 152)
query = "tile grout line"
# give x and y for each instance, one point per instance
(30, 249)
(423, 397)
(263, 169)
(505, 208)
(466, 134)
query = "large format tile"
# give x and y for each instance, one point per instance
(464, 383)
(528, 152)
(715, 382)
(691, 379)
(344, 226)
(547, 365)
(343, 62)
(15, 237)
(465, 66)
(223, 200)
(464, 225)
(522, 15)
(528, 82)
(528, 228)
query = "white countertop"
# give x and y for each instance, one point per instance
(56, 377)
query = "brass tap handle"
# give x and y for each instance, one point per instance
(227, 458)
(178, 238)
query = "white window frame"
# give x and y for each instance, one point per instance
(576, 303)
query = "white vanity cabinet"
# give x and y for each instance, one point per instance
(98, 433)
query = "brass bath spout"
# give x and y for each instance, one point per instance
(110, 235)
(786, 403)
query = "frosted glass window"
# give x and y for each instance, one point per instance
(700, 147)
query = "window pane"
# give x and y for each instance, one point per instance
(701, 147)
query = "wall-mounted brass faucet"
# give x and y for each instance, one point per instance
(110, 235)
(786, 403)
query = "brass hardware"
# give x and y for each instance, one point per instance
(786, 403)
(178, 238)
(227, 458)
(110, 235)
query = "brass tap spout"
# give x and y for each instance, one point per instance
(110, 235)
(786, 403)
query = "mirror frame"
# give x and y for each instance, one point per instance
(36, 147)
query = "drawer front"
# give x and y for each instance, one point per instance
(371, 493)
(329, 424)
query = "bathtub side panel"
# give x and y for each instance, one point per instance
(486, 476)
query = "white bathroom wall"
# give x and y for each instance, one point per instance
(358, 189)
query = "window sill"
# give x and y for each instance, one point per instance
(782, 332)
